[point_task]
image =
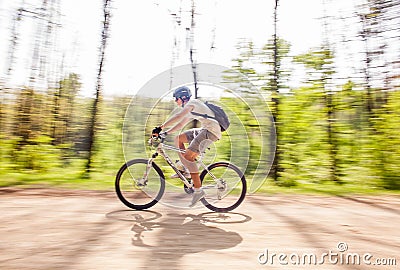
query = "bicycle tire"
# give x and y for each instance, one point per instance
(126, 171)
(240, 183)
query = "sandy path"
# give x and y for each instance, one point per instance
(47, 229)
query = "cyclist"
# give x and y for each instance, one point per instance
(197, 138)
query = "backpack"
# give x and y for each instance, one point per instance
(220, 115)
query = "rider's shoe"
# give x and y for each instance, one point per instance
(197, 196)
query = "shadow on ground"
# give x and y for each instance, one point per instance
(178, 235)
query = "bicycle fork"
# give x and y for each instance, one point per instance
(143, 182)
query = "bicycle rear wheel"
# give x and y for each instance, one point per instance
(131, 188)
(228, 190)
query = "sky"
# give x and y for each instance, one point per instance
(143, 32)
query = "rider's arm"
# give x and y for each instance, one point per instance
(179, 125)
(180, 116)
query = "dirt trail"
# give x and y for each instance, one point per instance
(54, 229)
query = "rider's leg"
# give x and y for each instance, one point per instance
(180, 141)
(188, 160)
(199, 140)
(198, 143)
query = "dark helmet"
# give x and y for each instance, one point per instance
(182, 92)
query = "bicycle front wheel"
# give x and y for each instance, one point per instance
(134, 189)
(225, 187)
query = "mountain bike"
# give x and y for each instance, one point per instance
(140, 183)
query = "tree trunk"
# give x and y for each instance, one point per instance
(95, 106)
(276, 169)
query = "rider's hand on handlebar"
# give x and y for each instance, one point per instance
(163, 134)
(156, 131)
(157, 136)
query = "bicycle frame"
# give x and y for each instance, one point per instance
(160, 151)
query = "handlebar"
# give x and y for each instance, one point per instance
(162, 136)
(158, 138)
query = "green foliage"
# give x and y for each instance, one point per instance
(387, 138)
(38, 155)
(321, 133)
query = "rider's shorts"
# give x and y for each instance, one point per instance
(199, 139)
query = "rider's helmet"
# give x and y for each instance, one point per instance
(183, 93)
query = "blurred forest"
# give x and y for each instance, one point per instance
(334, 132)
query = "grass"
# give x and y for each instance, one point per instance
(65, 178)
(69, 178)
(102, 177)
(326, 188)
